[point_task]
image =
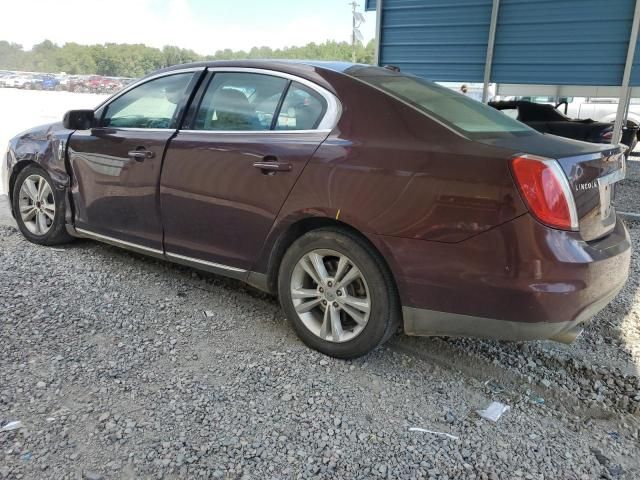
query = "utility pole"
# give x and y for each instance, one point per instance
(357, 19)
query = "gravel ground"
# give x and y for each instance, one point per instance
(627, 198)
(115, 370)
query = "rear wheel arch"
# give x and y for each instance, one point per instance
(306, 225)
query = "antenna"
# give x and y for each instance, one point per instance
(357, 19)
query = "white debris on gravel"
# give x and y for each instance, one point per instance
(424, 430)
(142, 385)
(15, 425)
(494, 411)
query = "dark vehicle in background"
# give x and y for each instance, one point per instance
(365, 198)
(546, 118)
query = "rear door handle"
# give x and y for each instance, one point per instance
(140, 154)
(271, 164)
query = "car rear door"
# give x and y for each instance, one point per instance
(227, 173)
(116, 165)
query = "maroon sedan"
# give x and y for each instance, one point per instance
(365, 198)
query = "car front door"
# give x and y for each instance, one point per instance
(116, 165)
(227, 174)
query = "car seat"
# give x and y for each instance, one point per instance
(232, 112)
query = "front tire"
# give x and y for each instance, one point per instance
(39, 208)
(338, 294)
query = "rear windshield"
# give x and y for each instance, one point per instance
(461, 113)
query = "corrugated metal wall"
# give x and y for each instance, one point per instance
(443, 40)
(562, 42)
(552, 42)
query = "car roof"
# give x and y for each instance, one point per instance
(312, 70)
(274, 64)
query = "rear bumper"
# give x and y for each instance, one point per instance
(519, 281)
(422, 322)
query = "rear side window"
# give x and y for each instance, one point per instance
(302, 109)
(240, 101)
(459, 112)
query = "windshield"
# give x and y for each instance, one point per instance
(461, 113)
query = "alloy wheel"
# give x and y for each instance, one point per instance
(330, 295)
(37, 205)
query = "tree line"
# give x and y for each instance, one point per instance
(135, 60)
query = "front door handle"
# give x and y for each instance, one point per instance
(270, 164)
(140, 154)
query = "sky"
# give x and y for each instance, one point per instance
(201, 25)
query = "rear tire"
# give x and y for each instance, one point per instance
(39, 208)
(338, 293)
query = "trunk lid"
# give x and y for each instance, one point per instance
(592, 169)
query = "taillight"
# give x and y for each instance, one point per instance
(546, 191)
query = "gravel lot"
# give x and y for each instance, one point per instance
(627, 197)
(115, 371)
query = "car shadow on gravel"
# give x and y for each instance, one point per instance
(597, 376)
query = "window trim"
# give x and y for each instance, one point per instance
(193, 84)
(325, 107)
(326, 124)
(276, 112)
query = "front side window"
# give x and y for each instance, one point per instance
(151, 105)
(302, 109)
(240, 101)
(451, 108)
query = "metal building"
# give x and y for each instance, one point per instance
(541, 47)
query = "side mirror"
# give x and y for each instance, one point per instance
(79, 119)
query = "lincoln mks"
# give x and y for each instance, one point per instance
(367, 199)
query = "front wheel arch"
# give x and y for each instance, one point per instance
(19, 167)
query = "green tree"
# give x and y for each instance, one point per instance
(12, 56)
(127, 60)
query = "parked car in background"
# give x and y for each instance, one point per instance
(95, 83)
(110, 84)
(4, 77)
(548, 119)
(63, 81)
(42, 82)
(600, 109)
(17, 81)
(50, 82)
(34, 82)
(77, 83)
(365, 198)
